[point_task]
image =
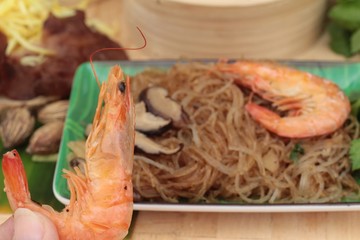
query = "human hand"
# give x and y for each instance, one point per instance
(25, 224)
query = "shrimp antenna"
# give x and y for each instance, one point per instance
(120, 48)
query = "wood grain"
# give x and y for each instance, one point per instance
(243, 226)
(279, 226)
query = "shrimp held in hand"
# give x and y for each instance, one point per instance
(101, 202)
(314, 106)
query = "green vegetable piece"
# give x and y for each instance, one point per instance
(356, 176)
(355, 154)
(355, 41)
(297, 151)
(45, 158)
(348, 1)
(346, 14)
(339, 42)
(355, 108)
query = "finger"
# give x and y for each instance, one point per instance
(29, 225)
(50, 232)
(7, 229)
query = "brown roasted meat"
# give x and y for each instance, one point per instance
(73, 43)
(3, 44)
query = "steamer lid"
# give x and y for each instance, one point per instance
(223, 3)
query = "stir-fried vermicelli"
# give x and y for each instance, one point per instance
(227, 156)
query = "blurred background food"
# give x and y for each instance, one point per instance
(44, 43)
(344, 27)
(41, 45)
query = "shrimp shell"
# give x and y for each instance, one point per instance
(314, 106)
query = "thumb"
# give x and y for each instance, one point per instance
(30, 225)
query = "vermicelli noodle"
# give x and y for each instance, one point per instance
(228, 157)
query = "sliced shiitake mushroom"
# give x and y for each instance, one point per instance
(78, 162)
(159, 103)
(147, 145)
(147, 122)
(137, 196)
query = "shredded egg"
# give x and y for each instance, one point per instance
(22, 22)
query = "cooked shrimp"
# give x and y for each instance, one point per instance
(101, 202)
(314, 106)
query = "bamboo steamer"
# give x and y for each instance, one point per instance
(222, 29)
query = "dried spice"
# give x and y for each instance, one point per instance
(16, 126)
(46, 139)
(34, 103)
(55, 111)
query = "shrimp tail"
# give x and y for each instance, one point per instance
(16, 184)
(266, 117)
(17, 187)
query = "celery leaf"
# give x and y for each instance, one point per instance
(355, 154)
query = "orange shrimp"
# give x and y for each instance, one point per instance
(101, 202)
(314, 106)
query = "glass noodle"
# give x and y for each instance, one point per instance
(228, 157)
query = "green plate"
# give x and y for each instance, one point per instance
(84, 96)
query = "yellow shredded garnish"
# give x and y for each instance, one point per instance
(32, 60)
(22, 21)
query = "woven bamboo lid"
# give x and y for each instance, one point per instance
(222, 29)
(224, 3)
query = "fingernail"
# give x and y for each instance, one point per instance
(27, 225)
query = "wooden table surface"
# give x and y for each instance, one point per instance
(251, 226)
